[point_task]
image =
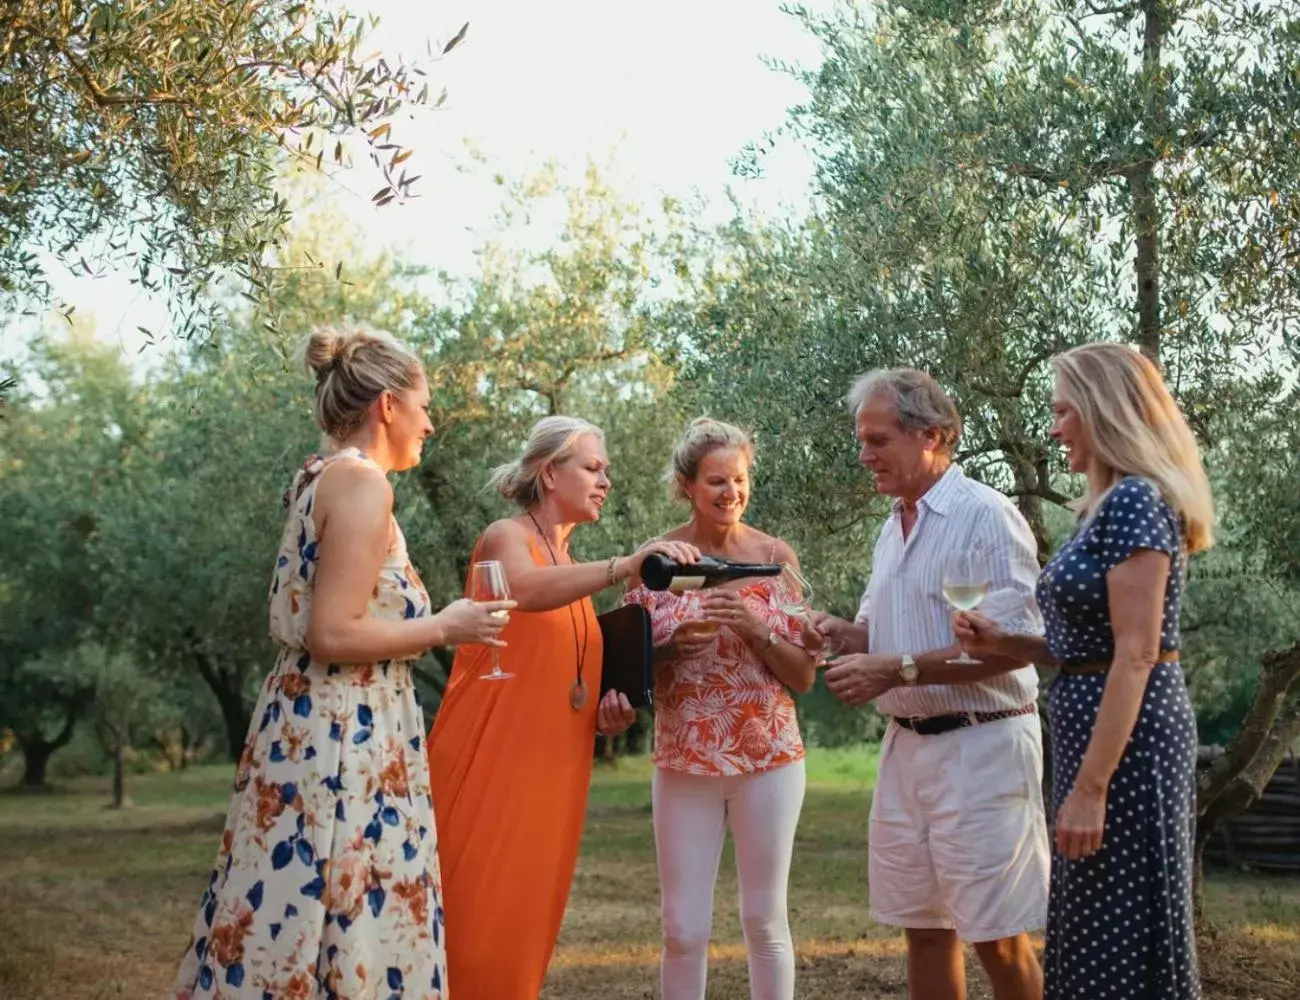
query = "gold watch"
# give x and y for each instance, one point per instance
(908, 671)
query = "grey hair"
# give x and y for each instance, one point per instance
(549, 443)
(920, 403)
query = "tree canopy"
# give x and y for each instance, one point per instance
(149, 137)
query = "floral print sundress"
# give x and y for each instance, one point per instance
(326, 885)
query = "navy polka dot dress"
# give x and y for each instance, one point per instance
(1120, 922)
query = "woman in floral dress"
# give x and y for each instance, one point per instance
(326, 884)
(727, 747)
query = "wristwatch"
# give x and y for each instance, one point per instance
(908, 671)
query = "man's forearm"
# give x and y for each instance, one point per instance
(933, 668)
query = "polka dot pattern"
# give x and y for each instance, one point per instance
(1120, 924)
(1072, 591)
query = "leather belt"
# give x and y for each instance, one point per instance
(1102, 666)
(934, 725)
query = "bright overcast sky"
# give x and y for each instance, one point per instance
(672, 90)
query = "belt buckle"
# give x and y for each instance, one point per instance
(908, 722)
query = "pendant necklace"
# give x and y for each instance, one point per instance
(578, 691)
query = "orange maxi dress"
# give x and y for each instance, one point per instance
(510, 767)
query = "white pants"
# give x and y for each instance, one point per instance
(691, 813)
(958, 835)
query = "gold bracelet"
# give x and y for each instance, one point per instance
(609, 571)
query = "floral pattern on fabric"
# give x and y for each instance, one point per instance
(326, 885)
(721, 712)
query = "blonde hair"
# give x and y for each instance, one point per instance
(920, 404)
(352, 370)
(1137, 429)
(549, 443)
(703, 435)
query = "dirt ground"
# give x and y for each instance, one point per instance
(96, 903)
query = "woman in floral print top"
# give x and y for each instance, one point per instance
(727, 744)
(326, 883)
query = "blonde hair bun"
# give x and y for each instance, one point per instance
(352, 369)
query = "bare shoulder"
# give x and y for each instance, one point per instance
(355, 484)
(681, 533)
(785, 552)
(762, 547)
(505, 530)
(503, 536)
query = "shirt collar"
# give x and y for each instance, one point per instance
(941, 496)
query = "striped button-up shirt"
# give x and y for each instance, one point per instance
(904, 608)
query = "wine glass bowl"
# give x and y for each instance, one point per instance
(795, 592)
(487, 582)
(697, 626)
(695, 623)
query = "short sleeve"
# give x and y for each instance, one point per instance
(1011, 558)
(864, 608)
(662, 624)
(1134, 517)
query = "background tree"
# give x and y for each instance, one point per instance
(186, 538)
(62, 443)
(151, 137)
(998, 181)
(1262, 469)
(125, 697)
(569, 328)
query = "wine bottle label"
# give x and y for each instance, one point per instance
(680, 584)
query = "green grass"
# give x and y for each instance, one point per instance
(98, 903)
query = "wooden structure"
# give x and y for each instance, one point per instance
(1267, 835)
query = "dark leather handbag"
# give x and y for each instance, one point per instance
(628, 664)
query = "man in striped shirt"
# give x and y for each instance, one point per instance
(958, 847)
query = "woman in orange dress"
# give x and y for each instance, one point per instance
(510, 760)
(727, 748)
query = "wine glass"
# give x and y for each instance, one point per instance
(796, 592)
(964, 585)
(796, 601)
(696, 625)
(487, 582)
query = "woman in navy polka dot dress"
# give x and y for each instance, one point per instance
(1123, 735)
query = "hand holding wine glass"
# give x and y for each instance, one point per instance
(466, 621)
(797, 598)
(965, 583)
(978, 632)
(695, 634)
(487, 584)
(727, 607)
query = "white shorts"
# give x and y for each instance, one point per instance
(958, 836)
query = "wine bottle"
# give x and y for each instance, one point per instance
(658, 572)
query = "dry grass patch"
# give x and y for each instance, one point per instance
(97, 904)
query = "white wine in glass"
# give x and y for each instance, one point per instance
(697, 626)
(487, 582)
(965, 596)
(964, 585)
(796, 592)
